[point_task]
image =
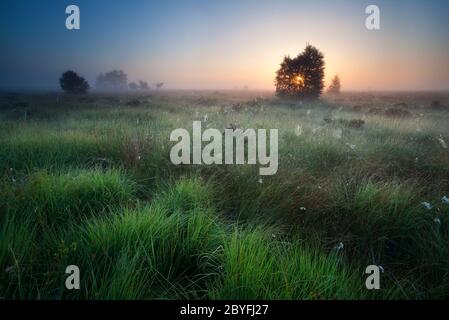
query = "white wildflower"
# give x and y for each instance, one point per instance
(442, 142)
(260, 181)
(302, 209)
(298, 130)
(315, 130)
(337, 134)
(445, 200)
(427, 205)
(437, 220)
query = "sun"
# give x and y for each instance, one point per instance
(298, 80)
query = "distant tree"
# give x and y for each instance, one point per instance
(301, 77)
(114, 80)
(335, 85)
(133, 86)
(71, 82)
(143, 85)
(159, 85)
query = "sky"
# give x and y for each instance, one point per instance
(225, 44)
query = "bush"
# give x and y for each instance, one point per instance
(72, 83)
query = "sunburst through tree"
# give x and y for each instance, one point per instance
(303, 76)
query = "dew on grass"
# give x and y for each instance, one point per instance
(337, 134)
(316, 130)
(442, 143)
(351, 146)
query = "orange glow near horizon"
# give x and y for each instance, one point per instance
(380, 65)
(401, 58)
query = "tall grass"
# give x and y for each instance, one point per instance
(89, 182)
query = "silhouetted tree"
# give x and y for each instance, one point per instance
(301, 77)
(133, 86)
(143, 85)
(335, 85)
(114, 80)
(159, 85)
(71, 82)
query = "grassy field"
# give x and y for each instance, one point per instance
(87, 180)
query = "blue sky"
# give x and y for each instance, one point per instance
(225, 44)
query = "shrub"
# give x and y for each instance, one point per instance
(335, 86)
